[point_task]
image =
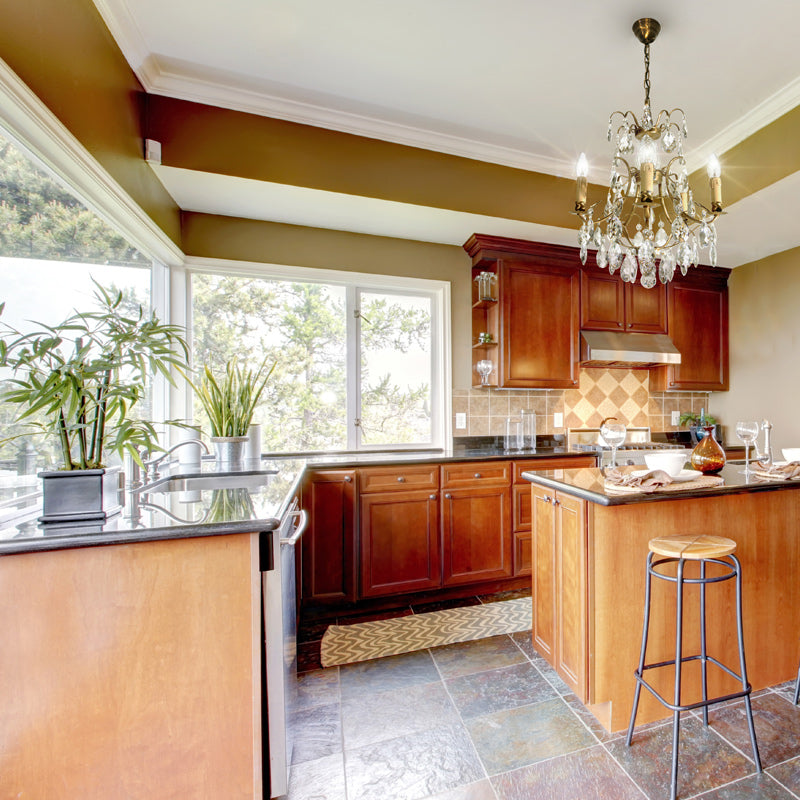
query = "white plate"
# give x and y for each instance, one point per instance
(683, 475)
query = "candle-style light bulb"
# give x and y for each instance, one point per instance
(646, 160)
(582, 171)
(715, 181)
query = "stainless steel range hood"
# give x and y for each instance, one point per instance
(612, 349)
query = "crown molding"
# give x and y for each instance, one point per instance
(766, 112)
(31, 123)
(162, 81)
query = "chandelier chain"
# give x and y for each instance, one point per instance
(647, 74)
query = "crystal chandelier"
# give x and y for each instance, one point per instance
(651, 222)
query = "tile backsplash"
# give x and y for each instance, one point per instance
(601, 393)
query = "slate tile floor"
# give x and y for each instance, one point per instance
(490, 720)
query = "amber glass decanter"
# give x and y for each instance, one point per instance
(708, 456)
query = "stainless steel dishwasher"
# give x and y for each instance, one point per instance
(280, 648)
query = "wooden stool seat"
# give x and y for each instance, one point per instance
(692, 546)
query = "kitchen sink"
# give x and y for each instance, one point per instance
(199, 483)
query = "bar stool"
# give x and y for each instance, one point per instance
(704, 549)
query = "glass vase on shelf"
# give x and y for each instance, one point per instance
(708, 456)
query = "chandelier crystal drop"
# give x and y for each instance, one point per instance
(651, 222)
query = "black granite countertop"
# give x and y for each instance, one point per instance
(246, 502)
(588, 484)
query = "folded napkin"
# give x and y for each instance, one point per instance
(648, 482)
(779, 472)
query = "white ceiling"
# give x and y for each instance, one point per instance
(517, 82)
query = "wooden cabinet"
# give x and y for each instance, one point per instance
(476, 522)
(538, 312)
(697, 310)
(328, 545)
(521, 515)
(560, 610)
(610, 304)
(400, 547)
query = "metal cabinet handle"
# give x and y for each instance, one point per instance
(401, 479)
(448, 497)
(478, 475)
(432, 497)
(347, 479)
(548, 499)
(556, 502)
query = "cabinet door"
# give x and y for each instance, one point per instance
(521, 528)
(571, 597)
(399, 542)
(476, 534)
(698, 325)
(328, 545)
(645, 309)
(602, 300)
(544, 573)
(540, 319)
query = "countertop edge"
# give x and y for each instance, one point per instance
(655, 497)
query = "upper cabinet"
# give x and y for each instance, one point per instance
(534, 322)
(610, 304)
(697, 310)
(526, 327)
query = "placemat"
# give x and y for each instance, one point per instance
(703, 482)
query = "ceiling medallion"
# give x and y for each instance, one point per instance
(651, 223)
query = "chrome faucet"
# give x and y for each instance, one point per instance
(152, 465)
(766, 456)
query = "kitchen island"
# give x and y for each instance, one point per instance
(133, 651)
(590, 546)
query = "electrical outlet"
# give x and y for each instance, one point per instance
(558, 420)
(461, 421)
(676, 418)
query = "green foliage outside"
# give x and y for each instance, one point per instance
(301, 327)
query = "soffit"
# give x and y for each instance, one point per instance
(526, 85)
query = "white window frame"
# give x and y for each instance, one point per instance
(438, 291)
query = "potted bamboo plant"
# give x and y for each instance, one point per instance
(77, 382)
(230, 402)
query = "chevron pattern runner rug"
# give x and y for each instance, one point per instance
(345, 644)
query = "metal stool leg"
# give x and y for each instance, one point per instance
(645, 631)
(742, 665)
(676, 715)
(797, 686)
(703, 647)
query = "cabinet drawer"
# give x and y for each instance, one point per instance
(556, 462)
(476, 473)
(386, 479)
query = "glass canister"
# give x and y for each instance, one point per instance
(528, 430)
(708, 456)
(486, 285)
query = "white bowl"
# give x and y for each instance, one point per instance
(791, 453)
(671, 463)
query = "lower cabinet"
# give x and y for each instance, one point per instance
(400, 549)
(559, 585)
(328, 546)
(476, 541)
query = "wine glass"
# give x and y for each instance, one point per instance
(484, 368)
(747, 431)
(613, 434)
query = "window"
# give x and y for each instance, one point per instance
(51, 247)
(359, 359)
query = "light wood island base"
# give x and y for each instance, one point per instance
(589, 583)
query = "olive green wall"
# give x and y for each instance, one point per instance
(765, 348)
(63, 51)
(208, 236)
